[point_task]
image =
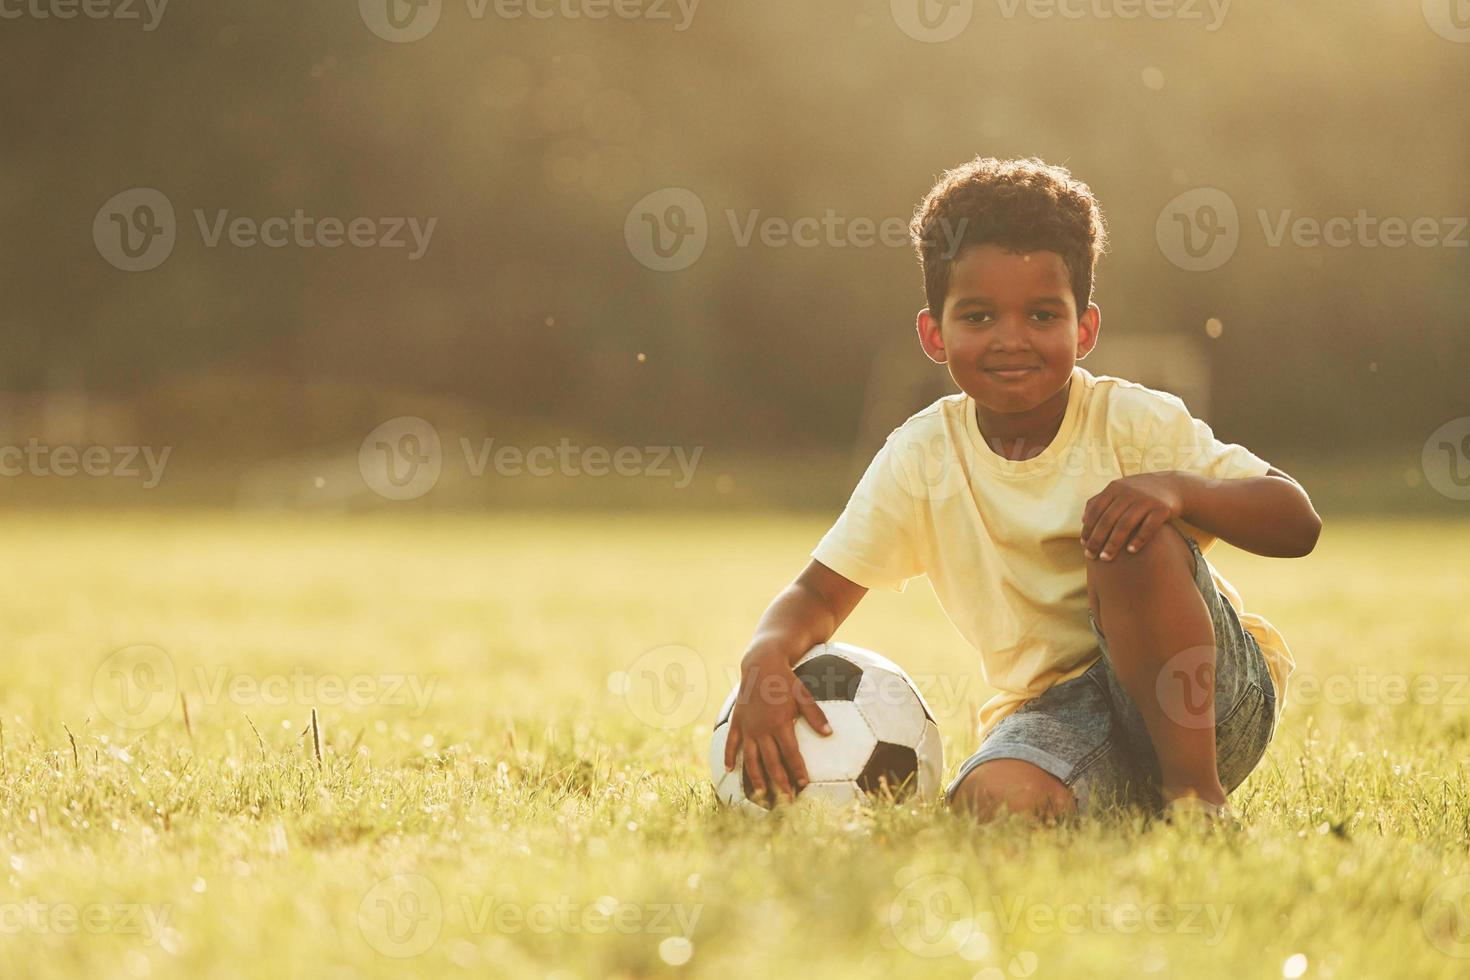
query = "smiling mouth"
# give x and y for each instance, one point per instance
(1010, 375)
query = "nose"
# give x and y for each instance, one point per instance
(1009, 334)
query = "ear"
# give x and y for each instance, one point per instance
(930, 338)
(1089, 325)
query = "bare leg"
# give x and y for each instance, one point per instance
(1016, 787)
(1156, 621)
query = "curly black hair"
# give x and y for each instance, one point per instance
(1022, 205)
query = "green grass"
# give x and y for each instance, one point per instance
(532, 789)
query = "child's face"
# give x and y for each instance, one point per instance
(1004, 310)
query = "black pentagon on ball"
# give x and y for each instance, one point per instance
(830, 678)
(726, 712)
(896, 766)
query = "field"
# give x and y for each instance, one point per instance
(507, 773)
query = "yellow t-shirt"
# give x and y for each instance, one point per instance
(1000, 539)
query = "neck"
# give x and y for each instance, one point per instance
(1022, 435)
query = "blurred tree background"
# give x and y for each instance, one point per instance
(528, 140)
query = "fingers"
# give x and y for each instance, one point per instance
(1128, 521)
(810, 710)
(771, 759)
(1095, 506)
(1145, 532)
(732, 742)
(753, 767)
(1102, 527)
(791, 754)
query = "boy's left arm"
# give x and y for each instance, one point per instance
(1268, 515)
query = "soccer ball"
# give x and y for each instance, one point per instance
(883, 733)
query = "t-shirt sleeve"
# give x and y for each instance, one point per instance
(1164, 436)
(874, 541)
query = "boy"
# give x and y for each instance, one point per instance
(1062, 519)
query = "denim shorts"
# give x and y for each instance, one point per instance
(1088, 733)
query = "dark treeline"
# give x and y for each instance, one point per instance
(526, 141)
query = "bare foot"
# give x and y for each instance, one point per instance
(1208, 794)
(1188, 810)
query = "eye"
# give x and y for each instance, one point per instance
(979, 316)
(1045, 316)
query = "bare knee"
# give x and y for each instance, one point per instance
(1166, 552)
(1015, 787)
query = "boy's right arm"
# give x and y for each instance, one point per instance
(807, 612)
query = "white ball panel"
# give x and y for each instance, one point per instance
(838, 794)
(892, 707)
(717, 753)
(931, 760)
(729, 789)
(841, 755)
